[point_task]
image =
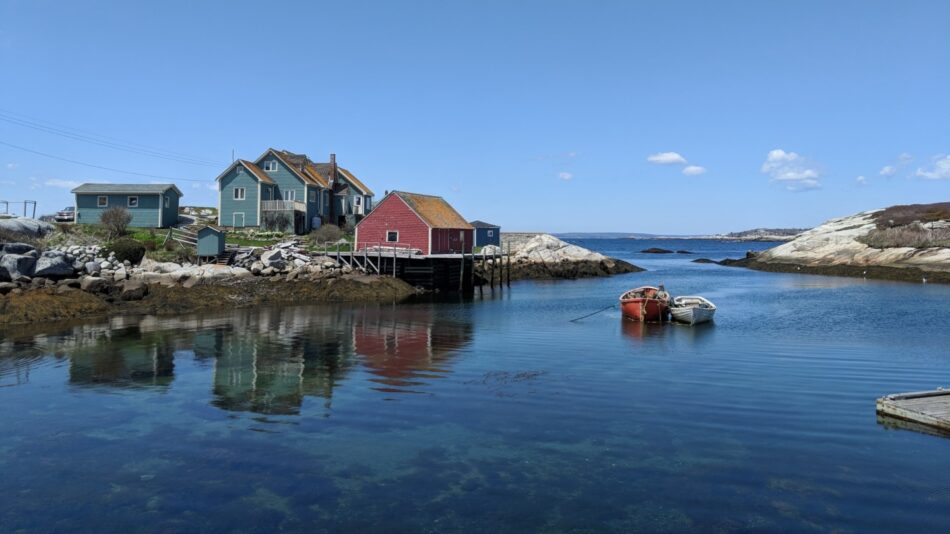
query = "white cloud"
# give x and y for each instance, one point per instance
(12, 166)
(861, 180)
(797, 173)
(565, 175)
(667, 158)
(888, 170)
(693, 170)
(905, 157)
(940, 170)
(65, 184)
(213, 187)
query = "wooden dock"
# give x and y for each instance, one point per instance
(926, 408)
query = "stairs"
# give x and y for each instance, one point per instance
(225, 257)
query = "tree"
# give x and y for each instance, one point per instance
(116, 220)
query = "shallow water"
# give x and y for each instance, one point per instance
(496, 414)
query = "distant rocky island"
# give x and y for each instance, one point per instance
(757, 234)
(907, 242)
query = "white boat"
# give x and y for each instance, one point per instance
(692, 310)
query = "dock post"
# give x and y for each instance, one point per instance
(462, 273)
(394, 261)
(492, 283)
(472, 273)
(508, 262)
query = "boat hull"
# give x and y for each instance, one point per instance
(645, 309)
(692, 315)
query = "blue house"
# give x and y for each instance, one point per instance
(151, 205)
(284, 191)
(486, 234)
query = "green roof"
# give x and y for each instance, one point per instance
(121, 189)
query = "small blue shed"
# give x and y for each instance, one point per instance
(486, 234)
(210, 241)
(151, 205)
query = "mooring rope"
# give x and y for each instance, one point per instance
(574, 320)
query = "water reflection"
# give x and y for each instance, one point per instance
(266, 361)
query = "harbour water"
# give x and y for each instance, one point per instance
(495, 414)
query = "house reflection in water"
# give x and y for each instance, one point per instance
(270, 365)
(127, 358)
(404, 346)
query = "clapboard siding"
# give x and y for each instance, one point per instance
(451, 240)
(393, 214)
(146, 215)
(250, 206)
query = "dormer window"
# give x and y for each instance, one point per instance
(270, 165)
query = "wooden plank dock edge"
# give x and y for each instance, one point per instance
(930, 408)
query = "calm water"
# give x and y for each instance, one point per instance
(494, 415)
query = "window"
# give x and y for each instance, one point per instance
(240, 169)
(102, 202)
(313, 196)
(168, 201)
(357, 201)
(392, 237)
(491, 233)
(290, 195)
(133, 202)
(239, 193)
(270, 165)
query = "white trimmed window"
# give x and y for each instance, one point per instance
(392, 236)
(240, 169)
(270, 165)
(102, 202)
(313, 196)
(239, 193)
(491, 233)
(357, 201)
(133, 202)
(168, 201)
(290, 195)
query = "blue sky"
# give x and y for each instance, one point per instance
(665, 117)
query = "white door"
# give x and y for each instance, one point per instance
(238, 220)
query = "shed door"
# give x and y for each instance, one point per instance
(238, 220)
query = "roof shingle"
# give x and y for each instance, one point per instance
(435, 211)
(121, 189)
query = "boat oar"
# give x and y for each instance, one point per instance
(574, 320)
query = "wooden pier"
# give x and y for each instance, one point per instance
(927, 409)
(450, 273)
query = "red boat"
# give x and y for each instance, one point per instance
(647, 304)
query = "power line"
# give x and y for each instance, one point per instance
(101, 140)
(94, 166)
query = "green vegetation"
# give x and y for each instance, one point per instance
(127, 249)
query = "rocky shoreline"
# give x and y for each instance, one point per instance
(847, 246)
(545, 257)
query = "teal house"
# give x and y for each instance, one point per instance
(284, 191)
(151, 205)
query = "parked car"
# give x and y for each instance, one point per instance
(68, 214)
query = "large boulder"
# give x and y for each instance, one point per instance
(26, 226)
(134, 289)
(93, 284)
(274, 258)
(17, 248)
(15, 267)
(53, 264)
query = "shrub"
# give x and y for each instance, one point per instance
(909, 235)
(127, 249)
(905, 214)
(150, 245)
(116, 220)
(327, 232)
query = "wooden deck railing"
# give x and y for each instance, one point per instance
(283, 205)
